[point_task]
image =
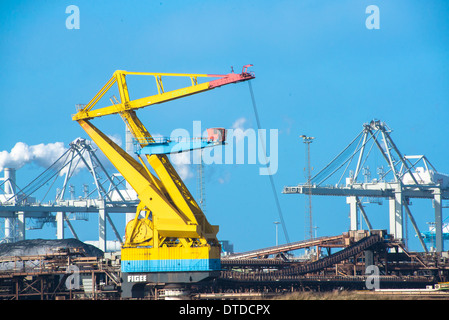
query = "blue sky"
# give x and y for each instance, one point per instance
(319, 71)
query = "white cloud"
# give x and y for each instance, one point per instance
(239, 130)
(225, 178)
(41, 154)
(238, 124)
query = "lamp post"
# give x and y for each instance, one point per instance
(277, 238)
(307, 141)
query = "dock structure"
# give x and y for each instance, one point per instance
(70, 273)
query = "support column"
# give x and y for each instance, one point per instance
(9, 229)
(59, 225)
(20, 226)
(129, 216)
(369, 258)
(102, 226)
(353, 212)
(438, 220)
(396, 216)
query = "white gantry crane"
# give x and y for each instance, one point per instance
(402, 178)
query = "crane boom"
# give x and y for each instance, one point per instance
(174, 235)
(119, 77)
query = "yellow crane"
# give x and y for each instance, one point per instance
(173, 242)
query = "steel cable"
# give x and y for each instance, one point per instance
(273, 187)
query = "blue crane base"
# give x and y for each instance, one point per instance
(133, 284)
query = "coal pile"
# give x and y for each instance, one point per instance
(44, 246)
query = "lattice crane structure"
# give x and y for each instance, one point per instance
(402, 178)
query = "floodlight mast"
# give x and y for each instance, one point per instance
(309, 219)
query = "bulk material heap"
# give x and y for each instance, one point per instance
(170, 239)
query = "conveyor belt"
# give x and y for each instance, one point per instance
(286, 247)
(228, 263)
(328, 261)
(332, 259)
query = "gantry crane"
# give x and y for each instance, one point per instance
(173, 242)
